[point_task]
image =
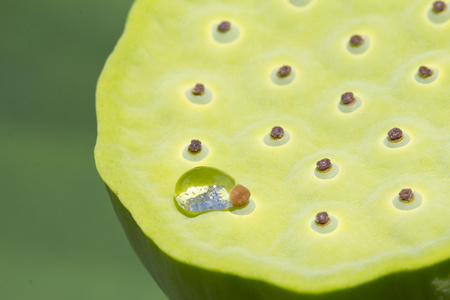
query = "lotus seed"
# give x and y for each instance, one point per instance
(198, 89)
(195, 146)
(284, 71)
(224, 26)
(395, 135)
(322, 218)
(406, 195)
(239, 195)
(439, 6)
(324, 165)
(348, 98)
(425, 72)
(356, 40)
(277, 133)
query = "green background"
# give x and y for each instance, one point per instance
(60, 238)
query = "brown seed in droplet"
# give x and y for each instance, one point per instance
(324, 165)
(198, 89)
(348, 98)
(322, 218)
(224, 26)
(277, 133)
(239, 195)
(356, 40)
(439, 6)
(406, 195)
(284, 71)
(395, 134)
(425, 72)
(195, 146)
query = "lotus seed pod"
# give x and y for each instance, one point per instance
(176, 206)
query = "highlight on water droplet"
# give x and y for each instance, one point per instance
(199, 94)
(204, 189)
(407, 199)
(225, 32)
(358, 44)
(324, 223)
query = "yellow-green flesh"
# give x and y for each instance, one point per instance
(145, 122)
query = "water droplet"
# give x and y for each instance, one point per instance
(205, 189)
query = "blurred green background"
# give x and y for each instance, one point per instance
(60, 238)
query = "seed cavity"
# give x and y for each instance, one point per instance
(324, 223)
(439, 6)
(239, 195)
(325, 169)
(438, 13)
(406, 195)
(395, 135)
(195, 147)
(407, 200)
(224, 26)
(199, 94)
(277, 133)
(195, 151)
(198, 89)
(276, 137)
(426, 75)
(356, 40)
(425, 72)
(284, 71)
(358, 44)
(225, 32)
(396, 138)
(283, 75)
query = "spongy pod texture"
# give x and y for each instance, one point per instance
(365, 84)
